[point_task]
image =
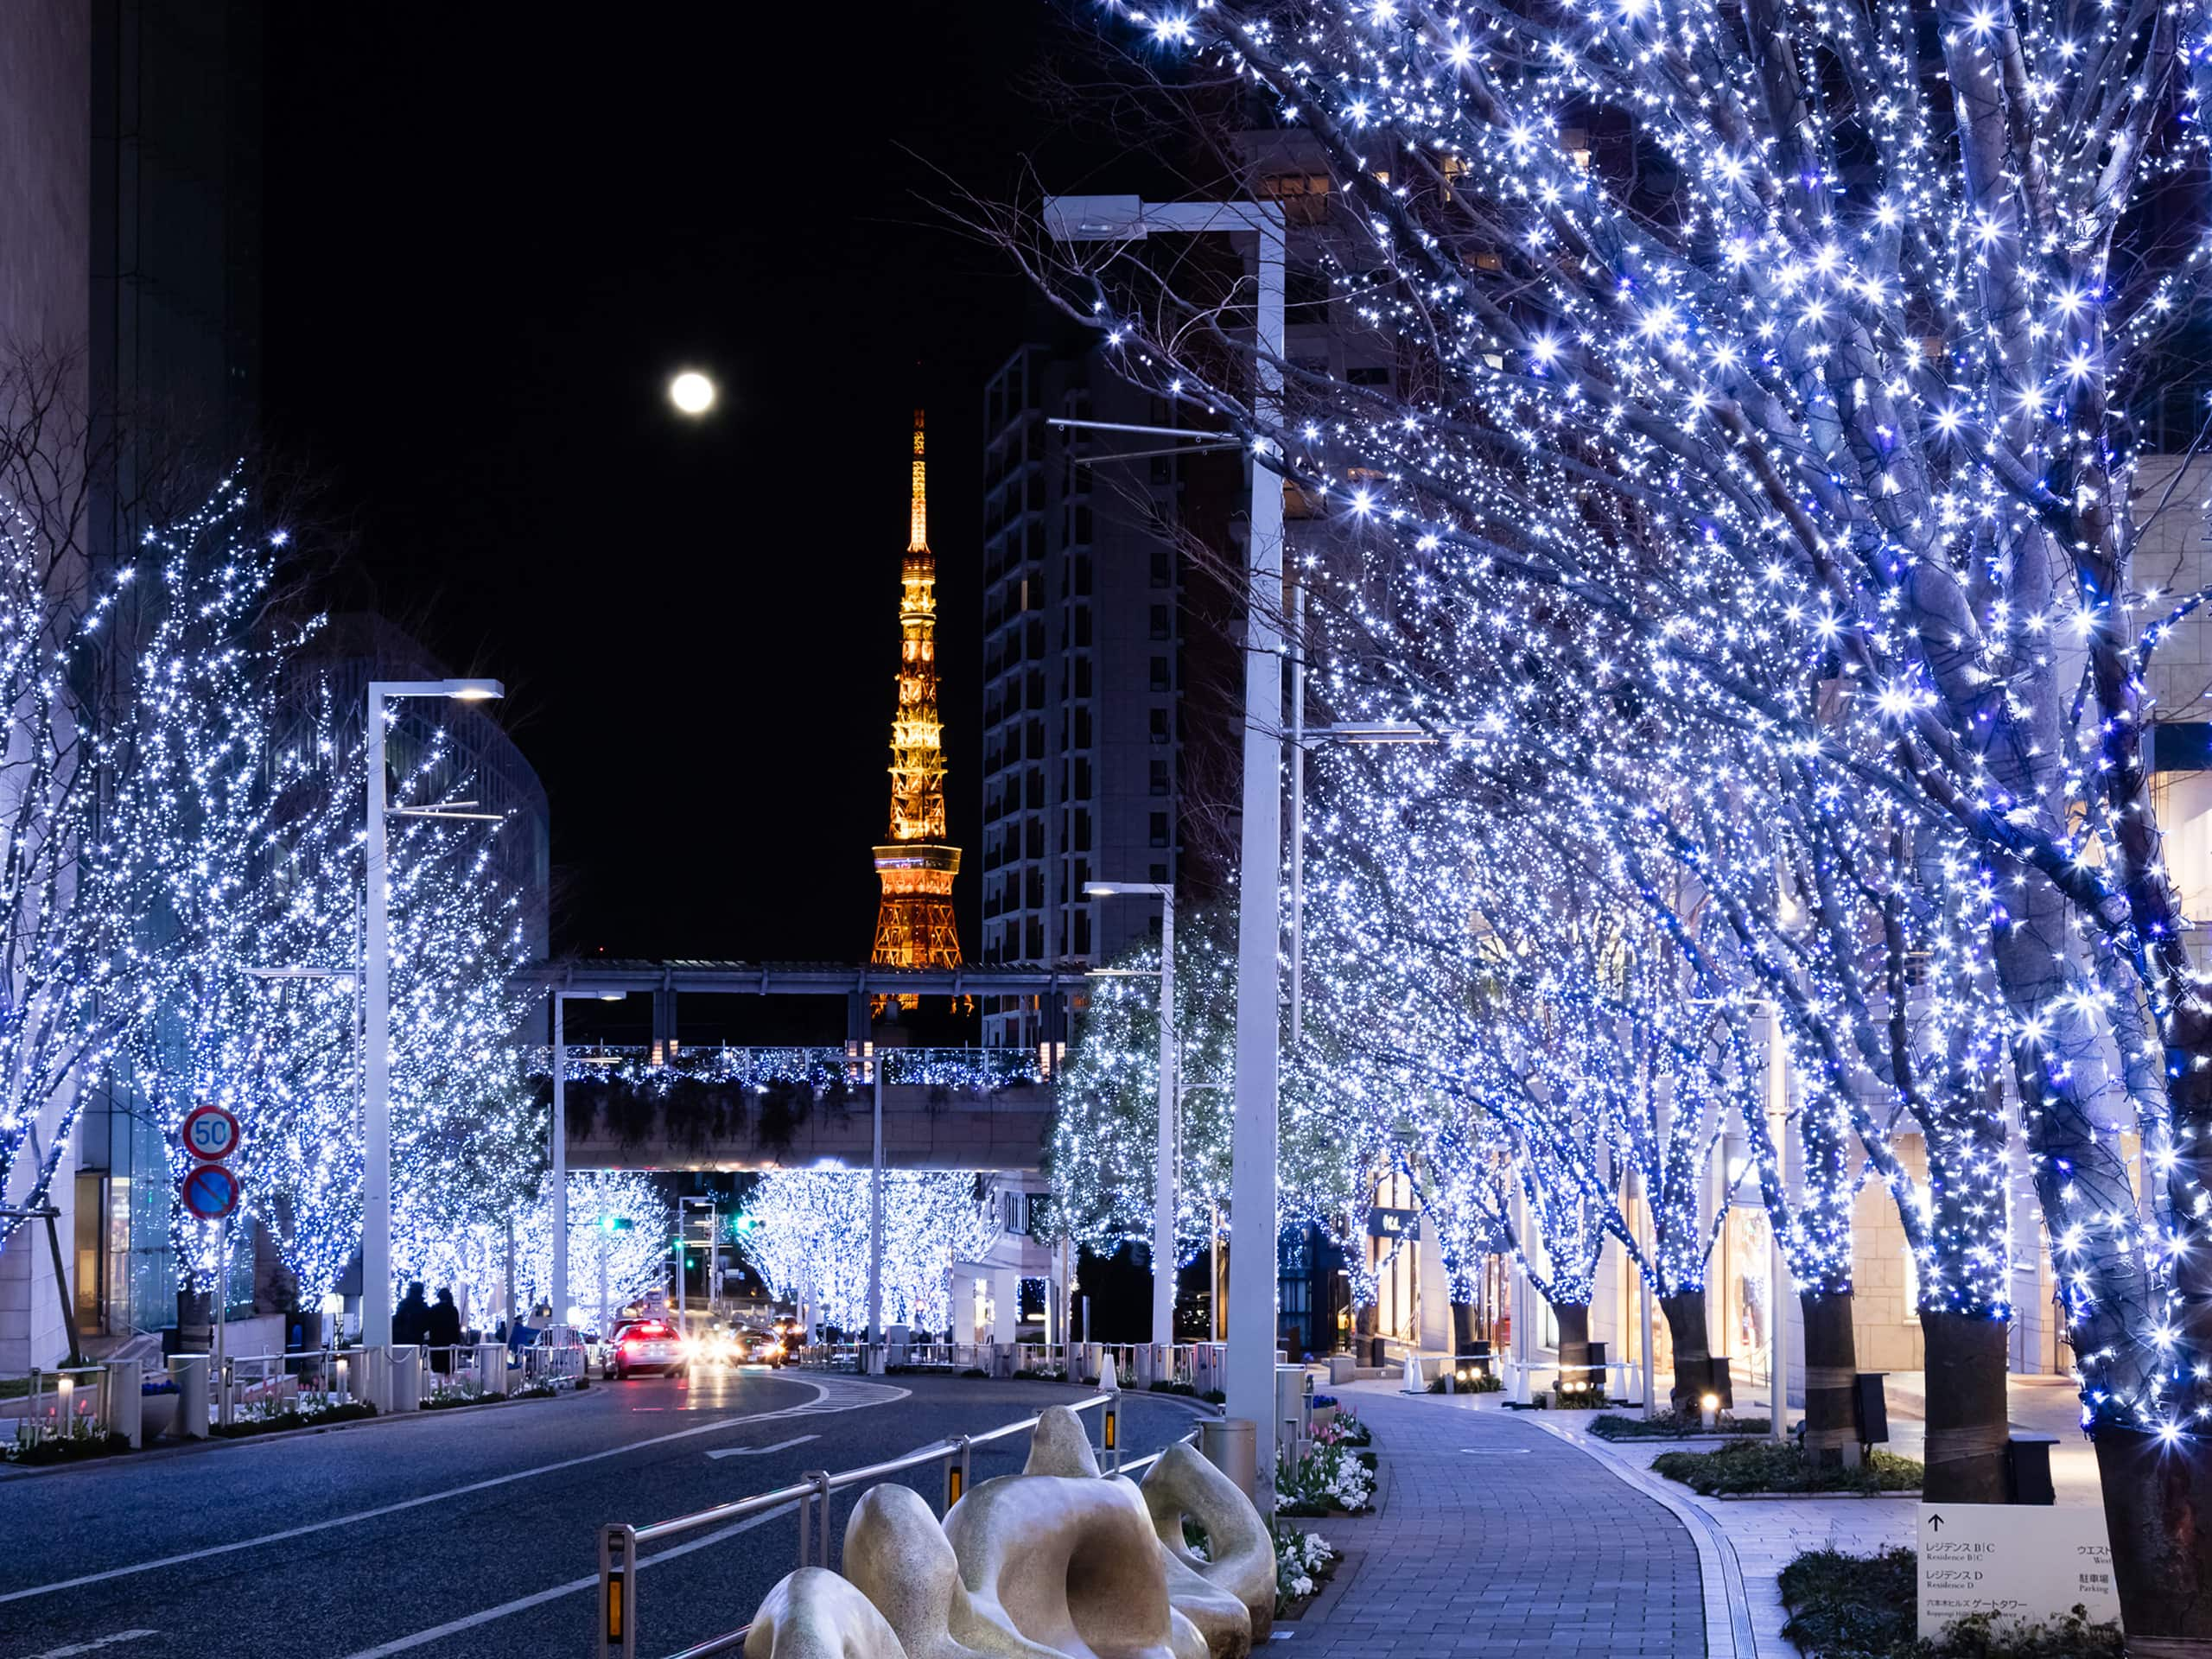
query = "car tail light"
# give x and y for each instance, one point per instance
(629, 1344)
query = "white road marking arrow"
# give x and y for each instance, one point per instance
(761, 1450)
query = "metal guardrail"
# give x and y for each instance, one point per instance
(77, 1400)
(617, 1636)
(1194, 1364)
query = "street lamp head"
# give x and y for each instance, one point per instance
(469, 690)
(1095, 219)
(1129, 889)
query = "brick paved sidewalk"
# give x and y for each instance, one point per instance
(1497, 1540)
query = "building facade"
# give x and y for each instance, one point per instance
(1105, 647)
(130, 265)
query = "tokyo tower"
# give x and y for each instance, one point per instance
(914, 926)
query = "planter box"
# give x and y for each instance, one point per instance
(1324, 1415)
(156, 1417)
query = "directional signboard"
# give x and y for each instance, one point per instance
(2018, 1560)
(210, 1192)
(211, 1133)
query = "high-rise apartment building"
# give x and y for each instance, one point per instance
(1106, 631)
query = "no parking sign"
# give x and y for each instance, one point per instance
(210, 1192)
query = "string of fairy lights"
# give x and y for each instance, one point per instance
(1746, 512)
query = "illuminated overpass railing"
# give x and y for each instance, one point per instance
(974, 1071)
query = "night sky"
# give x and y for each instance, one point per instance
(488, 245)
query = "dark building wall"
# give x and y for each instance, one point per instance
(354, 648)
(174, 243)
(46, 53)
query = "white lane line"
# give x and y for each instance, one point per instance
(92, 1646)
(761, 1450)
(716, 1426)
(523, 1604)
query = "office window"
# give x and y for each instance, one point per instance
(1083, 524)
(1160, 681)
(1159, 874)
(1160, 777)
(1083, 624)
(1082, 677)
(1083, 568)
(1083, 932)
(1082, 778)
(1163, 568)
(1159, 734)
(1163, 626)
(1160, 829)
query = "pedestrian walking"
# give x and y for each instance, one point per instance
(443, 1329)
(411, 1320)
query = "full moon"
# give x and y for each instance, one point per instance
(691, 393)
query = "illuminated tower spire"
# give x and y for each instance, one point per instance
(914, 926)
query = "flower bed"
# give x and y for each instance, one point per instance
(1863, 1607)
(1672, 1426)
(1304, 1562)
(1761, 1466)
(305, 1415)
(92, 1442)
(1469, 1381)
(1335, 1477)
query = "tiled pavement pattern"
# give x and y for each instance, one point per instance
(1756, 1538)
(1497, 1540)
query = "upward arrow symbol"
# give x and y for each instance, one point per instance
(1934, 1524)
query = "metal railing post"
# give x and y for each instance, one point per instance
(617, 1601)
(821, 1479)
(956, 1472)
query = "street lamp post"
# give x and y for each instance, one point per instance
(376, 1129)
(1252, 1273)
(1164, 1171)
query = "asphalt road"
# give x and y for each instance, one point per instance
(471, 1531)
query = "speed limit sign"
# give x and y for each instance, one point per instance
(210, 1133)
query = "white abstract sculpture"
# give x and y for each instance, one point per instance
(1071, 1564)
(1052, 1563)
(813, 1614)
(1243, 1559)
(897, 1556)
(1058, 1445)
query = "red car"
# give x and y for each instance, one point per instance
(647, 1346)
